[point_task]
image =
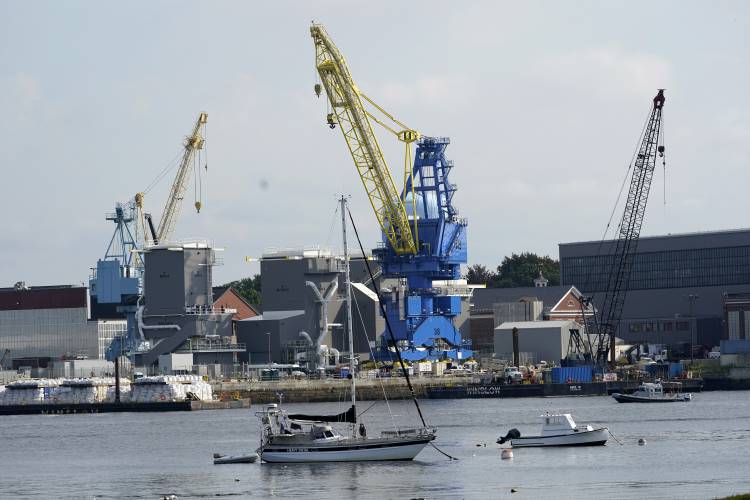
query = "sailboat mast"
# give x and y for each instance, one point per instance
(350, 334)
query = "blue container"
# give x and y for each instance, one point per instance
(565, 374)
(675, 370)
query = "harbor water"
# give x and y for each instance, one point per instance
(694, 450)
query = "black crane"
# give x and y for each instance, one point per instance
(601, 327)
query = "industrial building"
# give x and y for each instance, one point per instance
(537, 340)
(735, 340)
(491, 307)
(40, 325)
(303, 319)
(176, 323)
(677, 288)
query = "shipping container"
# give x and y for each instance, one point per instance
(565, 374)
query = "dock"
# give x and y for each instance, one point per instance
(162, 406)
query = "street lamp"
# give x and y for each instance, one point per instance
(693, 322)
(269, 350)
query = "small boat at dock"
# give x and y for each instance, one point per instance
(558, 429)
(649, 392)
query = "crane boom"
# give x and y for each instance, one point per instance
(168, 220)
(352, 117)
(621, 260)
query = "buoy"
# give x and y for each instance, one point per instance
(506, 454)
(641, 442)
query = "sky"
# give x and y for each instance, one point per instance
(543, 101)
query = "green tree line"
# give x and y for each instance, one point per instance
(514, 271)
(248, 288)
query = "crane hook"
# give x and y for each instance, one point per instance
(318, 89)
(198, 206)
(331, 122)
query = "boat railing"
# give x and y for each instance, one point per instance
(413, 431)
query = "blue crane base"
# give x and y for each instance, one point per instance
(420, 314)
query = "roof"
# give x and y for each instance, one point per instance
(484, 298)
(509, 325)
(63, 297)
(671, 235)
(275, 315)
(218, 291)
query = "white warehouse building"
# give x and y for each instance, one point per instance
(537, 340)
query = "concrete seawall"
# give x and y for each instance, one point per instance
(315, 391)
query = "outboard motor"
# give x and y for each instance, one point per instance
(512, 434)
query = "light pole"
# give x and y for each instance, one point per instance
(268, 334)
(691, 301)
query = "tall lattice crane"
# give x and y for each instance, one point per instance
(601, 328)
(193, 143)
(424, 239)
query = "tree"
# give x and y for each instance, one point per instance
(479, 275)
(248, 288)
(522, 269)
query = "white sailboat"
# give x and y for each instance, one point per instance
(310, 438)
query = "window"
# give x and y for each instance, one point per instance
(669, 269)
(733, 325)
(683, 326)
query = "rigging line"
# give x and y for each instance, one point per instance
(614, 437)
(367, 409)
(330, 229)
(619, 196)
(195, 178)
(663, 160)
(442, 452)
(200, 177)
(372, 356)
(387, 322)
(170, 165)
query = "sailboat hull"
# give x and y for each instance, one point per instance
(346, 451)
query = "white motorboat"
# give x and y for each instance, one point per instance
(558, 429)
(220, 459)
(652, 393)
(310, 438)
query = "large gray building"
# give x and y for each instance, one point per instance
(677, 286)
(303, 308)
(177, 313)
(45, 323)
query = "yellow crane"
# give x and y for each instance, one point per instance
(193, 143)
(353, 118)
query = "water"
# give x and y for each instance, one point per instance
(695, 450)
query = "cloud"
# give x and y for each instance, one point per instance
(24, 93)
(427, 90)
(608, 70)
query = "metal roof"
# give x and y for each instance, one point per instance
(484, 298)
(509, 325)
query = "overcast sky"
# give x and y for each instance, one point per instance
(543, 102)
